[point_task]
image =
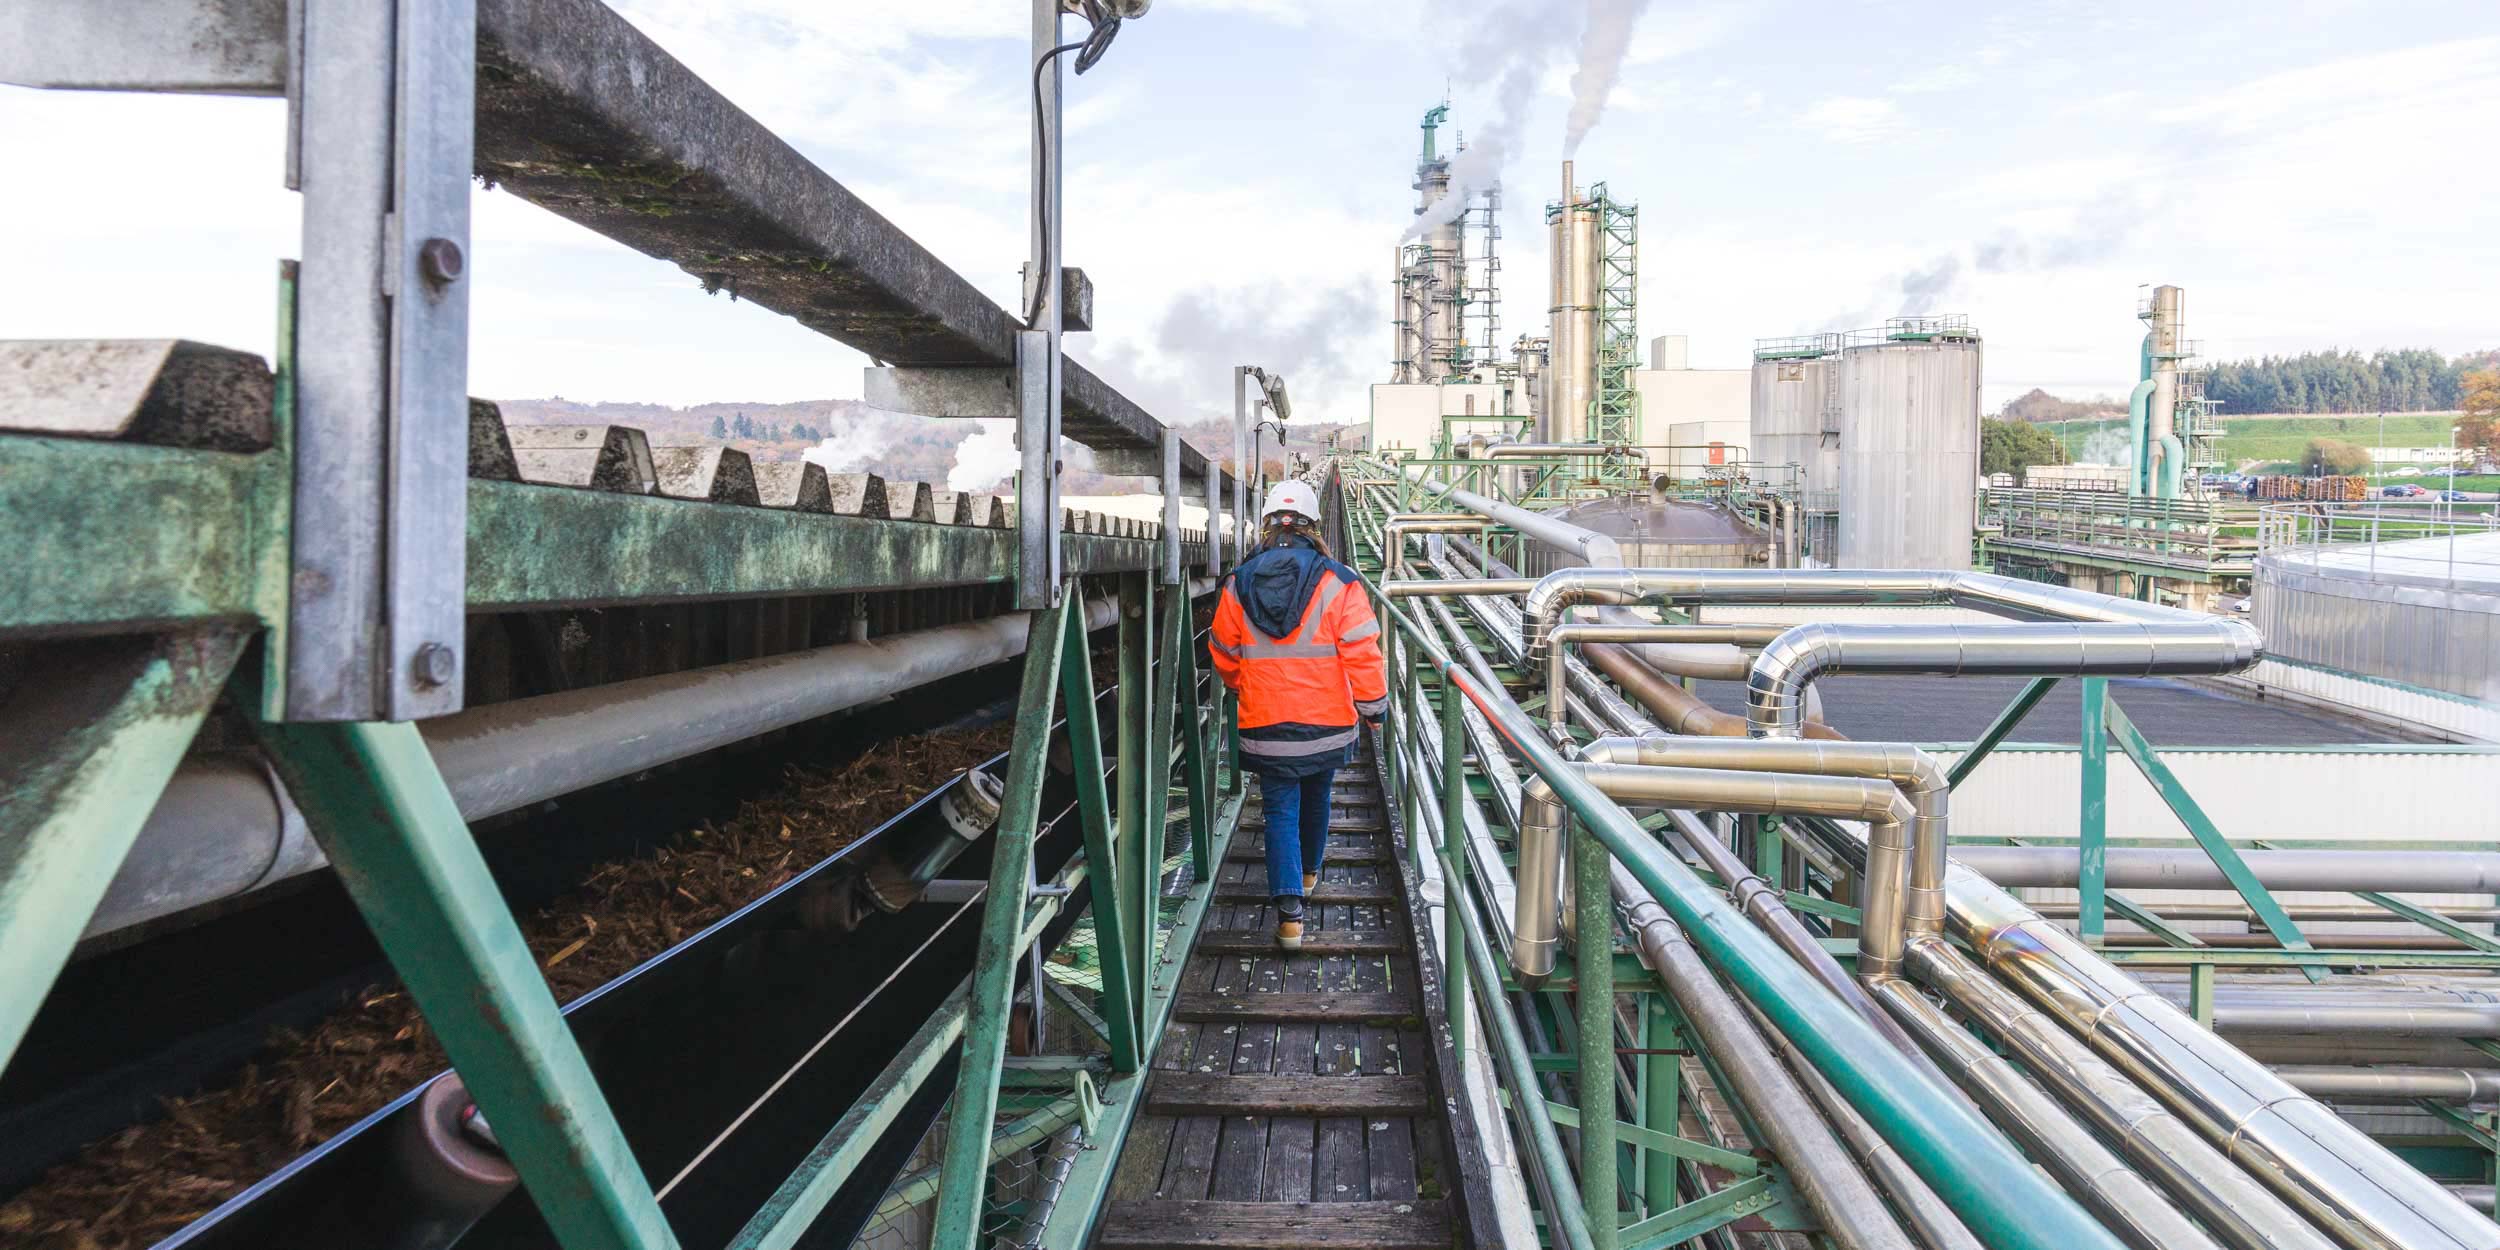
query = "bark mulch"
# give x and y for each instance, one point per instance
(147, 1181)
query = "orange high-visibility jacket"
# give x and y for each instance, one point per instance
(1303, 685)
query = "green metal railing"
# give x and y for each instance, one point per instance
(1990, 1186)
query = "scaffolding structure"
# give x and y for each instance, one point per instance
(1480, 294)
(1618, 420)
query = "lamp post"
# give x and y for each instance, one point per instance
(1272, 394)
(2452, 465)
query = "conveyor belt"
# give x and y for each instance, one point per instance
(1296, 1098)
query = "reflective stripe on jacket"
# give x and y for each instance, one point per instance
(1302, 692)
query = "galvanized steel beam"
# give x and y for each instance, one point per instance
(223, 47)
(585, 116)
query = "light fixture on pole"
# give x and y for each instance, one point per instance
(1245, 468)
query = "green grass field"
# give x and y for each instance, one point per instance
(2284, 438)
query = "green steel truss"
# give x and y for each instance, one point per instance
(1618, 415)
(146, 571)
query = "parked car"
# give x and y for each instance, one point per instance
(2407, 471)
(2453, 496)
(2400, 491)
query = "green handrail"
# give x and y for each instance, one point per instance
(1986, 1182)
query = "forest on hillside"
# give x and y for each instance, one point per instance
(2405, 380)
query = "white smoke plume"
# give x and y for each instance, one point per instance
(1479, 168)
(986, 457)
(1603, 43)
(1923, 289)
(1510, 46)
(849, 444)
(2106, 447)
(2097, 233)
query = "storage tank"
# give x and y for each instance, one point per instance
(1795, 381)
(1660, 534)
(1909, 445)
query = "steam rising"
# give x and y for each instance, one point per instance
(2106, 447)
(1511, 47)
(849, 444)
(1603, 42)
(2097, 233)
(985, 458)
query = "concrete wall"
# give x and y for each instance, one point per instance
(1408, 415)
(1698, 445)
(1673, 397)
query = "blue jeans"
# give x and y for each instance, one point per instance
(1297, 828)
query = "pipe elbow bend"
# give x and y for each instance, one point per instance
(1775, 689)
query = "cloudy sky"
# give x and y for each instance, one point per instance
(2315, 174)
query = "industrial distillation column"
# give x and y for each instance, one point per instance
(1571, 380)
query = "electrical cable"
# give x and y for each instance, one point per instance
(1041, 183)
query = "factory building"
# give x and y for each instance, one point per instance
(1701, 415)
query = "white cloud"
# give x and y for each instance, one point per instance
(2378, 87)
(1854, 119)
(1945, 76)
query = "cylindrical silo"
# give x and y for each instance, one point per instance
(1909, 453)
(1790, 390)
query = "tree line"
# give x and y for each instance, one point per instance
(769, 431)
(2013, 446)
(2410, 379)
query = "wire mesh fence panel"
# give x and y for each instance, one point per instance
(1025, 1173)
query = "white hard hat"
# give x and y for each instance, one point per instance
(1291, 496)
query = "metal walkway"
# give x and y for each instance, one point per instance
(1296, 1098)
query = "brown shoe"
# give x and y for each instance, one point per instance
(1310, 883)
(1289, 933)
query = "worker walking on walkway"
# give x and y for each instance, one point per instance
(1295, 638)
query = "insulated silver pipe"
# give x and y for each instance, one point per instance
(1852, 1213)
(1393, 534)
(1891, 911)
(1598, 549)
(2068, 631)
(1541, 820)
(1719, 657)
(1927, 1215)
(1437, 588)
(1760, 900)
(2316, 1160)
(2391, 1020)
(2393, 1086)
(2324, 913)
(1520, 451)
(2152, 868)
(1565, 636)
(2235, 1206)
(2132, 1206)
(225, 827)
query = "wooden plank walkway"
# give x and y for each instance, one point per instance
(1296, 1101)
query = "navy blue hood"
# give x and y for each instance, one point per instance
(1274, 585)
